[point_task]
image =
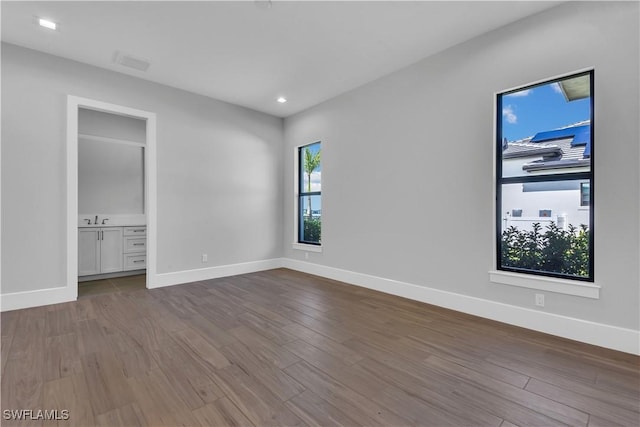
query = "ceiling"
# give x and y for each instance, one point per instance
(251, 52)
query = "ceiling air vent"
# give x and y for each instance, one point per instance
(130, 61)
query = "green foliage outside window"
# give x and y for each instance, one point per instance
(554, 250)
(312, 229)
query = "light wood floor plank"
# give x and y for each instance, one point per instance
(343, 397)
(266, 328)
(222, 412)
(69, 393)
(264, 348)
(263, 371)
(256, 401)
(317, 412)
(63, 357)
(587, 404)
(191, 380)
(125, 416)
(550, 408)
(159, 401)
(106, 382)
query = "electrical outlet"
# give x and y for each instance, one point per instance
(205, 258)
(540, 300)
(306, 255)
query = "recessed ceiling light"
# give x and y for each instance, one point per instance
(47, 24)
(282, 100)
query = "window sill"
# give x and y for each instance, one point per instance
(550, 284)
(306, 247)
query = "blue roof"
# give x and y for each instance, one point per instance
(581, 136)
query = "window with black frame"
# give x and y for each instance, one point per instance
(309, 194)
(544, 170)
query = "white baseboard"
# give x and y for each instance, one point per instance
(613, 337)
(28, 299)
(187, 276)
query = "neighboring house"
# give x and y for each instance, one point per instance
(557, 151)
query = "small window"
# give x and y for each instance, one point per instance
(310, 194)
(544, 148)
(585, 194)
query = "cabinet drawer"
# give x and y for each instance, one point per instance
(135, 262)
(135, 244)
(135, 231)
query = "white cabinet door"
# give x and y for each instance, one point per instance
(88, 251)
(111, 255)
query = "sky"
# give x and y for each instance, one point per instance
(539, 109)
(316, 176)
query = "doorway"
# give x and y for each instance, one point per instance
(111, 210)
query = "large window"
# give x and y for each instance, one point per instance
(544, 188)
(309, 194)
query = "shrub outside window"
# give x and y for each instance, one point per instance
(544, 170)
(309, 194)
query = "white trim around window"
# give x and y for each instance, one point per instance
(519, 279)
(544, 283)
(306, 247)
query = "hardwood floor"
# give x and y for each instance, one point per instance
(284, 348)
(116, 284)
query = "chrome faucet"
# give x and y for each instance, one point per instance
(88, 221)
(104, 219)
(96, 221)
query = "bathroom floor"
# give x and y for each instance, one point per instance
(113, 285)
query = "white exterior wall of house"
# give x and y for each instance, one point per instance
(564, 203)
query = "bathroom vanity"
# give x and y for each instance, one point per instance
(105, 249)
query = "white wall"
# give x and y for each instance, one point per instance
(219, 170)
(565, 203)
(109, 125)
(408, 161)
